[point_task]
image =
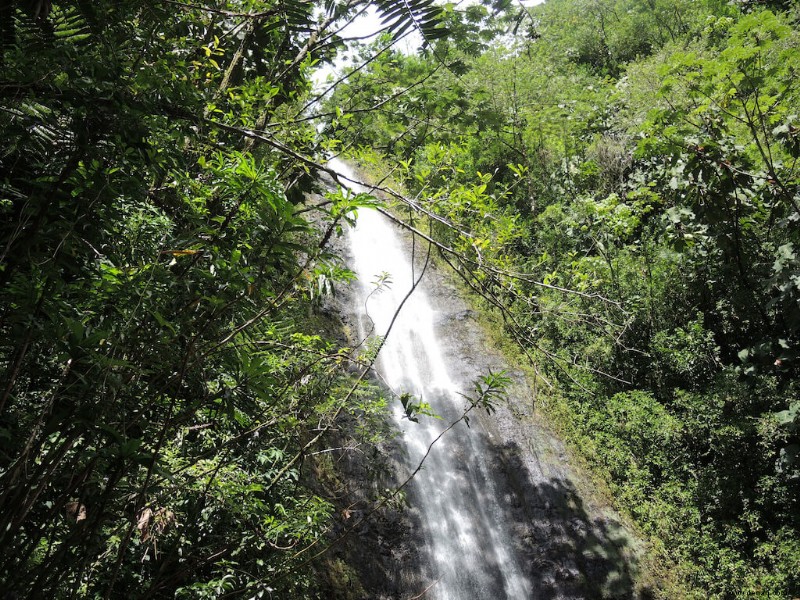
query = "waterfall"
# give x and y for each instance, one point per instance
(469, 545)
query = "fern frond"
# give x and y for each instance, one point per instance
(69, 25)
(403, 15)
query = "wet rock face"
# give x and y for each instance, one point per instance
(495, 511)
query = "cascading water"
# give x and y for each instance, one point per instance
(469, 546)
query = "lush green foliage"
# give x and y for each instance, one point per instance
(618, 178)
(626, 175)
(167, 380)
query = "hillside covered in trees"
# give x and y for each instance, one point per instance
(617, 179)
(628, 175)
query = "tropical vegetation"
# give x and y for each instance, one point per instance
(620, 183)
(616, 179)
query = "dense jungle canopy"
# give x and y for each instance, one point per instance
(617, 179)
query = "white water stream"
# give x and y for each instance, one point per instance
(469, 546)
